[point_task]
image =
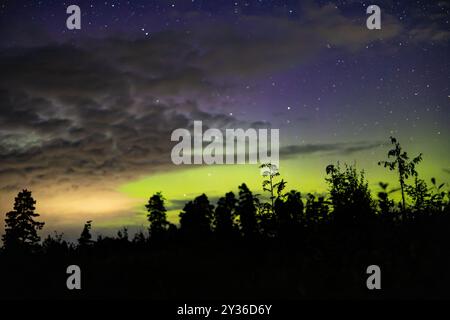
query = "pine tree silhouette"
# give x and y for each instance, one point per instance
(157, 216)
(20, 226)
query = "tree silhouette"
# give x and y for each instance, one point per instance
(85, 237)
(404, 166)
(55, 245)
(139, 239)
(20, 226)
(196, 217)
(289, 212)
(225, 214)
(122, 234)
(157, 216)
(246, 211)
(294, 206)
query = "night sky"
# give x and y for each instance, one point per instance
(86, 115)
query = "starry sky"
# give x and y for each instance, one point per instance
(86, 115)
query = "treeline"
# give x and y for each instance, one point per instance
(282, 215)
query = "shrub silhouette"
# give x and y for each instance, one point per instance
(349, 194)
(386, 205)
(316, 211)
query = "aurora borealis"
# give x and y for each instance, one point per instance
(86, 115)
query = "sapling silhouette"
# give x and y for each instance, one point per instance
(20, 226)
(404, 166)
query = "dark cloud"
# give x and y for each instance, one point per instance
(279, 42)
(106, 107)
(337, 148)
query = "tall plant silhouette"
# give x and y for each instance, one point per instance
(270, 172)
(20, 225)
(404, 166)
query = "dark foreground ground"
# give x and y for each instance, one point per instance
(324, 263)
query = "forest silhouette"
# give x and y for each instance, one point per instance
(281, 244)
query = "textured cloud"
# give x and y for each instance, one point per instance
(105, 108)
(336, 148)
(430, 32)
